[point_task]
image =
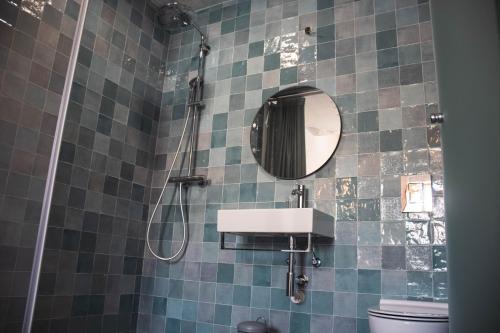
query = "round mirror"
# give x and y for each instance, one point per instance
(295, 132)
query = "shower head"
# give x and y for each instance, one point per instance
(175, 15)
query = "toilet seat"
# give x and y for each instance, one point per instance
(408, 316)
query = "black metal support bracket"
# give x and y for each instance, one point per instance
(224, 247)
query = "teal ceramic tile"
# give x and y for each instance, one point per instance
(440, 285)
(224, 72)
(224, 293)
(229, 11)
(344, 304)
(231, 193)
(325, 34)
(369, 210)
(202, 158)
(254, 82)
(261, 297)
(256, 49)
(345, 279)
(407, 16)
(219, 121)
(249, 173)
(265, 192)
(233, 155)
(204, 328)
(321, 323)
(159, 306)
(393, 283)
(387, 58)
(439, 258)
(174, 308)
(242, 22)
(326, 51)
(227, 26)
(263, 258)
(173, 325)
(222, 314)
(345, 256)
(218, 139)
(271, 62)
(279, 300)
(215, 15)
(248, 192)
(175, 289)
(238, 85)
(346, 209)
(262, 276)
(307, 55)
(419, 284)
(189, 310)
(322, 302)
(346, 187)
(288, 75)
(241, 295)
(385, 21)
(322, 4)
(369, 233)
(344, 324)
(210, 233)
(365, 302)
(225, 273)
(243, 7)
(362, 326)
(206, 312)
(299, 322)
(239, 68)
(369, 281)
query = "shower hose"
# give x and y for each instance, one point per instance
(184, 222)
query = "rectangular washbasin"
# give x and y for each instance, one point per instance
(276, 221)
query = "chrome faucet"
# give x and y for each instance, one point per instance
(300, 192)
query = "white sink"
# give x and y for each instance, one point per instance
(283, 221)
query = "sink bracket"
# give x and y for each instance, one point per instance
(224, 247)
(306, 250)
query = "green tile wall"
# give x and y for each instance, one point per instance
(375, 59)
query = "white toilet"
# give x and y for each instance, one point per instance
(401, 316)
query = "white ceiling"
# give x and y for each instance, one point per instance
(193, 4)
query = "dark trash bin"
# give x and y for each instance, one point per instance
(253, 326)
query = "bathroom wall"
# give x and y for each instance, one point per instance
(375, 58)
(35, 45)
(92, 262)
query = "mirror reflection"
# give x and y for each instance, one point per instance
(295, 132)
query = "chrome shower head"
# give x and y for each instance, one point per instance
(175, 15)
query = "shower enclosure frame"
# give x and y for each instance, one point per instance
(51, 173)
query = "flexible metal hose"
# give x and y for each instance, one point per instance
(184, 222)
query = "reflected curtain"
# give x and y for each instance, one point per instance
(284, 149)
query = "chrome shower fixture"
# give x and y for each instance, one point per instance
(169, 15)
(175, 15)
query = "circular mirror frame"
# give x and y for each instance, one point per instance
(282, 93)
